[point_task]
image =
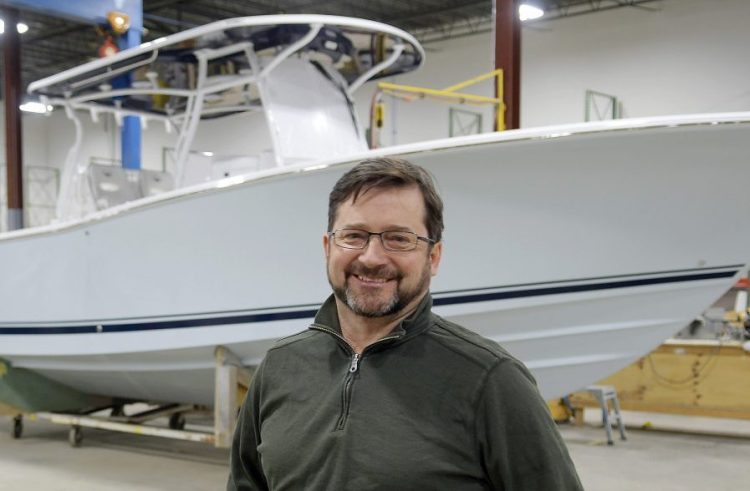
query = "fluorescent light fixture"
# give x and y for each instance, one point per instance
(35, 107)
(314, 167)
(529, 12)
(20, 27)
(207, 154)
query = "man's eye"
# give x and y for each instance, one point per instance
(399, 238)
(353, 236)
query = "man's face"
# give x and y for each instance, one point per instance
(373, 282)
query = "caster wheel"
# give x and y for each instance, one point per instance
(16, 429)
(75, 436)
(177, 421)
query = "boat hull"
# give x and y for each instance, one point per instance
(578, 250)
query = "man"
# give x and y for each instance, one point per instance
(380, 393)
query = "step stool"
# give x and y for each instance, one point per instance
(604, 394)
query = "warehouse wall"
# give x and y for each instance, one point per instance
(690, 57)
(35, 128)
(687, 57)
(35, 154)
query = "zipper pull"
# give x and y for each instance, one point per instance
(355, 363)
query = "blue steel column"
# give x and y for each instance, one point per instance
(130, 136)
(96, 11)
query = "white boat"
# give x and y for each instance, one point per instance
(579, 248)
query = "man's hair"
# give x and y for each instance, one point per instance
(388, 172)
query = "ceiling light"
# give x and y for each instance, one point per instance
(20, 27)
(119, 21)
(35, 107)
(529, 12)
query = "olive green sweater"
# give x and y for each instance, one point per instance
(431, 406)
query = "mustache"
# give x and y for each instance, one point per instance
(380, 272)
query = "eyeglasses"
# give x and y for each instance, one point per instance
(392, 240)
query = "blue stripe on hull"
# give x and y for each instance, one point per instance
(483, 297)
(456, 297)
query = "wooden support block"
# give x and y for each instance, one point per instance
(225, 404)
(578, 416)
(231, 382)
(699, 378)
(558, 410)
(6, 410)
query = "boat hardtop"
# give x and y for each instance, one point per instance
(229, 67)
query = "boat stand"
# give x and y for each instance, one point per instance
(232, 381)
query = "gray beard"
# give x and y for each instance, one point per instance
(394, 305)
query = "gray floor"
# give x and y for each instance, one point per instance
(659, 461)
(106, 461)
(42, 459)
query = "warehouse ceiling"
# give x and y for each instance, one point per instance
(54, 44)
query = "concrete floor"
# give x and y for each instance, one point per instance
(658, 461)
(43, 460)
(648, 460)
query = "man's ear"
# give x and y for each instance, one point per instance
(435, 254)
(326, 243)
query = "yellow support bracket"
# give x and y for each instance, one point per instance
(450, 93)
(421, 91)
(475, 80)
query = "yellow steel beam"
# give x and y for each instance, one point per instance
(459, 98)
(474, 80)
(387, 86)
(450, 93)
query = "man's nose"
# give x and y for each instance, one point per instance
(374, 253)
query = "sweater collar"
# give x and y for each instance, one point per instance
(413, 325)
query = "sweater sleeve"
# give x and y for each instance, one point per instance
(245, 469)
(519, 444)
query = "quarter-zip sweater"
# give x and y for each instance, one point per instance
(430, 406)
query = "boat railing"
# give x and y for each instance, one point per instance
(288, 51)
(113, 72)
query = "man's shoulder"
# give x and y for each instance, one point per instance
(293, 349)
(468, 343)
(290, 342)
(483, 353)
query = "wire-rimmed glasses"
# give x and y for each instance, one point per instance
(392, 240)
